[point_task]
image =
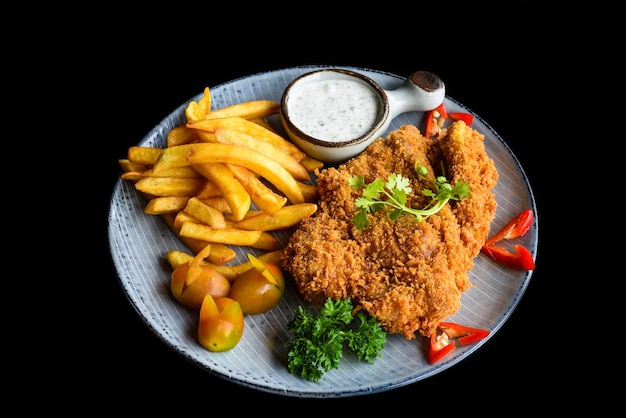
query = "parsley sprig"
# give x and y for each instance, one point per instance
(319, 340)
(394, 193)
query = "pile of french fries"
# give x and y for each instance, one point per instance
(226, 178)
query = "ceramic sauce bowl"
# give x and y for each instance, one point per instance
(334, 114)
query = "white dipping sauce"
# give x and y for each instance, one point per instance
(334, 110)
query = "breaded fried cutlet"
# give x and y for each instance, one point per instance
(409, 275)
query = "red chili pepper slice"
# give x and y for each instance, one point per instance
(516, 227)
(442, 111)
(439, 345)
(432, 126)
(436, 353)
(520, 260)
(468, 118)
(465, 335)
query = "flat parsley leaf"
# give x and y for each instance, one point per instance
(395, 192)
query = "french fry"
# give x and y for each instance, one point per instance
(213, 168)
(182, 217)
(198, 110)
(206, 136)
(310, 192)
(175, 258)
(231, 272)
(143, 155)
(181, 135)
(205, 153)
(238, 199)
(262, 196)
(263, 122)
(218, 203)
(205, 213)
(133, 175)
(165, 204)
(220, 253)
(250, 128)
(311, 164)
(272, 257)
(234, 137)
(285, 217)
(170, 186)
(266, 241)
(209, 190)
(247, 110)
(250, 213)
(228, 236)
(181, 172)
(128, 166)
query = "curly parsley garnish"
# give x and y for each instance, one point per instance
(394, 194)
(319, 340)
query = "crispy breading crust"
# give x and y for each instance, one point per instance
(408, 275)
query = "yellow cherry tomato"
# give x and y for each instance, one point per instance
(192, 281)
(258, 289)
(221, 323)
(190, 290)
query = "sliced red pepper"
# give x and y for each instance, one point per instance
(465, 335)
(442, 111)
(516, 227)
(520, 260)
(437, 349)
(468, 118)
(432, 126)
(442, 343)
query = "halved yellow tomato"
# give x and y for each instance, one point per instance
(258, 289)
(192, 281)
(221, 323)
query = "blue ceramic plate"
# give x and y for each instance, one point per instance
(138, 244)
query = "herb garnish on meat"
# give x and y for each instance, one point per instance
(395, 191)
(319, 339)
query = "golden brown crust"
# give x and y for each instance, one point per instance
(409, 275)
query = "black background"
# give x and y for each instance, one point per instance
(142, 68)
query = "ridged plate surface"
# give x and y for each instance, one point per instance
(138, 244)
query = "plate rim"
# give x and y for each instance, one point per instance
(435, 369)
